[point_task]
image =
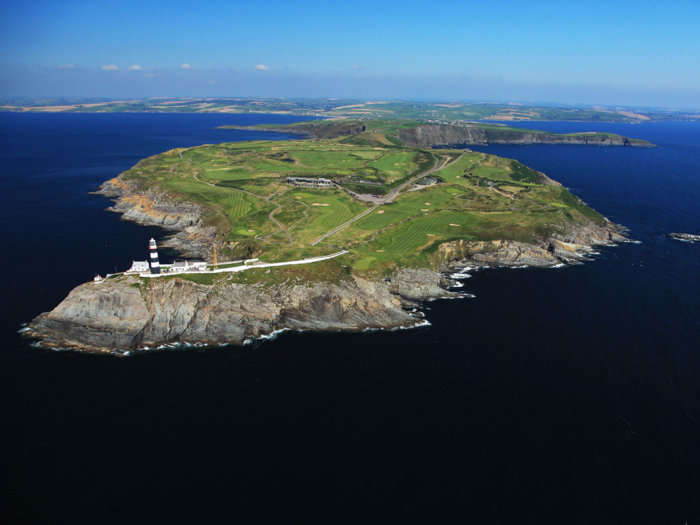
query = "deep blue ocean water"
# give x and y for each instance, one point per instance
(567, 395)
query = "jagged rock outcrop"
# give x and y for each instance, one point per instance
(151, 208)
(125, 313)
(687, 237)
(574, 245)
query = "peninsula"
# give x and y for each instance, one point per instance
(430, 134)
(397, 218)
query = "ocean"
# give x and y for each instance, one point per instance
(568, 395)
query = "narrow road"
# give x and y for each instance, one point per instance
(389, 198)
(278, 223)
(270, 216)
(336, 230)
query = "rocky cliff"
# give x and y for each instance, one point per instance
(150, 208)
(573, 246)
(125, 313)
(464, 135)
(448, 135)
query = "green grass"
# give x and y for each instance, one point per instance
(322, 219)
(456, 172)
(395, 165)
(335, 160)
(227, 174)
(407, 232)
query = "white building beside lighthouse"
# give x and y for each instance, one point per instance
(138, 267)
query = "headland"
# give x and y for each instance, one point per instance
(379, 227)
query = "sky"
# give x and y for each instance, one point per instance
(632, 53)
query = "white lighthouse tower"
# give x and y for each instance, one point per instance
(153, 250)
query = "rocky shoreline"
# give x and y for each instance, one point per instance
(120, 315)
(686, 237)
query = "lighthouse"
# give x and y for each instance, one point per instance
(153, 250)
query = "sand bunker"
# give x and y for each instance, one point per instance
(454, 225)
(251, 230)
(426, 209)
(297, 197)
(380, 251)
(430, 235)
(380, 211)
(427, 203)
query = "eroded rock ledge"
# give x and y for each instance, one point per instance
(150, 208)
(119, 315)
(574, 246)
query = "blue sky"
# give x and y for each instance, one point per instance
(623, 52)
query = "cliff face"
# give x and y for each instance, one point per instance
(127, 313)
(574, 245)
(454, 136)
(150, 208)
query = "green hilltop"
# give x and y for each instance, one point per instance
(256, 211)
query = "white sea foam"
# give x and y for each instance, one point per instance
(456, 285)
(424, 322)
(267, 337)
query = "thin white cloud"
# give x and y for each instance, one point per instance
(261, 67)
(356, 67)
(111, 67)
(135, 68)
(148, 75)
(186, 66)
(65, 66)
(210, 82)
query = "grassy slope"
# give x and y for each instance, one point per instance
(483, 197)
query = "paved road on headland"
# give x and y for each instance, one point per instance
(391, 196)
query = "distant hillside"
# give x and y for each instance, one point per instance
(423, 135)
